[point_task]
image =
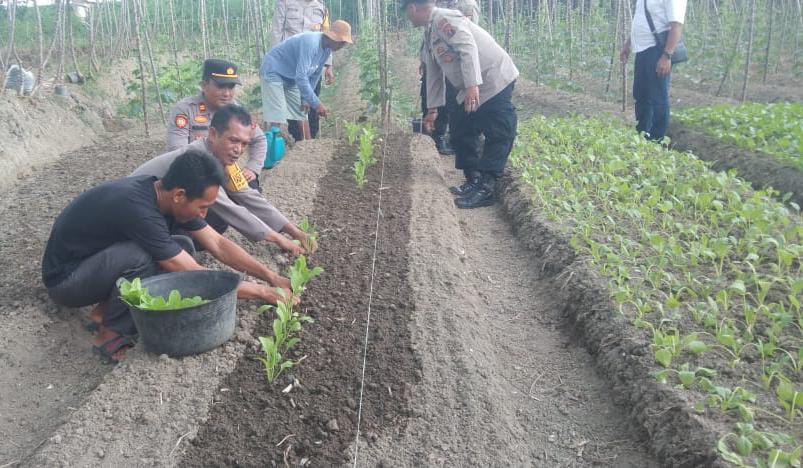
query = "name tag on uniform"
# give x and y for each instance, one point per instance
(235, 180)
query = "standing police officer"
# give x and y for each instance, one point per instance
(190, 117)
(470, 10)
(294, 17)
(483, 75)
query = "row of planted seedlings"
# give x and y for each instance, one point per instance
(773, 129)
(365, 135)
(708, 268)
(287, 324)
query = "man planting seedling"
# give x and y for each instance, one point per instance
(237, 205)
(131, 228)
(190, 118)
(483, 75)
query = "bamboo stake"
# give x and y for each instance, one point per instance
(138, 40)
(154, 73)
(202, 13)
(749, 49)
(614, 47)
(732, 58)
(41, 35)
(770, 14)
(72, 41)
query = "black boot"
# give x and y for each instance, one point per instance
(443, 146)
(473, 181)
(483, 194)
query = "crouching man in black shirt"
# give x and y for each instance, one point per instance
(128, 228)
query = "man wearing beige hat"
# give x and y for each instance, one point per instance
(292, 69)
(291, 17)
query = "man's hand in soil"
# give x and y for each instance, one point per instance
(249, 174)
(269, 294)
(286, 244)
(472, 102)
(309, 245)
(301, 237)
(429, 120)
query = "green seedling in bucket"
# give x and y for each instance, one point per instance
(133, 294)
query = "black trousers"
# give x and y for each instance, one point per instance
(442, 122)
(95, 280)
(294, 126)
(497, 120)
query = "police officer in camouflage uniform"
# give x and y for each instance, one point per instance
(293, 17)
(470, 10)
(483, 75)
(190, 118)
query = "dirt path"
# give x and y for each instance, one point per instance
(503, 385)
(46, 368)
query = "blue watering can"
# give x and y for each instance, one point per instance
(275, 148)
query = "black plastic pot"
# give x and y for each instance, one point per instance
(416, 122)
(192, 330)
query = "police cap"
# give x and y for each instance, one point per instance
(221, 71)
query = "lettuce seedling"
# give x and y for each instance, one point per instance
(133, 294)
(300, 274)
(311, 243)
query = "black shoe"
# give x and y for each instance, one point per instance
(442, 146)
(483, 196)
(468, 187)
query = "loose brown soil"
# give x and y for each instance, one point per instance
(678, 435)
(319, 417)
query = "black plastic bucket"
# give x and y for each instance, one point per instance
(417, 125)
(192, 330)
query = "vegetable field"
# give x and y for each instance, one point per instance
(624, 303)
(773, 129)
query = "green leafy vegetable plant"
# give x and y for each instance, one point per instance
(709, 268)
(133, 294)
(774, 129)
(288, 322)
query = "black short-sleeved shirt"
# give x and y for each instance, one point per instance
(117, 211)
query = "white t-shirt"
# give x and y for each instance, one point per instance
(662, 12)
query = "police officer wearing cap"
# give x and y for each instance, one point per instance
(484, 76)
(190, 118)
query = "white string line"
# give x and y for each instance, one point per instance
(370, 300)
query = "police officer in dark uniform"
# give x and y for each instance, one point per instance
(465, 55)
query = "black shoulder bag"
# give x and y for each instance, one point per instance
(679, 55)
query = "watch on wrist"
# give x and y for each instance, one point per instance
(668, 55)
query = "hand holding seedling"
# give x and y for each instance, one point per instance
(287, 245)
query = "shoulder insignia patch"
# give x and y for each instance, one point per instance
(446, 28)
(202, 107)
(181, 121)
(201, 119)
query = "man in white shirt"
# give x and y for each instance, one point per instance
(653, 67)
